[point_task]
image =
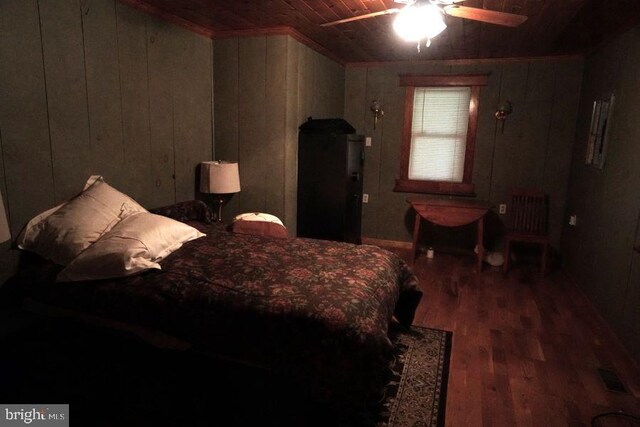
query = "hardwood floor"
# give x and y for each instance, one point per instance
(526, 350)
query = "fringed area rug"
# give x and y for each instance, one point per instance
(416, 395)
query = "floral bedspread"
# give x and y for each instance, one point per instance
(318, 311)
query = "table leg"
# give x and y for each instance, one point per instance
(416, 233)
(480, 244)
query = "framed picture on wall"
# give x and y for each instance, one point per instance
(599, 132)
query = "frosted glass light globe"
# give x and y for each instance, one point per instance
(415, 23)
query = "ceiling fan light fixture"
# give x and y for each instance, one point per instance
(416, 23)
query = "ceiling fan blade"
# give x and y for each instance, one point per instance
(484, 15)
(359, 17)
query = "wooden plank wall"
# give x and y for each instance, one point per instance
(599, 249)
(95, 87)
(265, 88)
(534, 150)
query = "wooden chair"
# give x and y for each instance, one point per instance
(528, 223)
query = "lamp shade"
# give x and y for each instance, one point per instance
(5, 234)
(219, 177)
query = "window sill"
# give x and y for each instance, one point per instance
(434, 187)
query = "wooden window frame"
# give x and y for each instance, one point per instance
(410, 82)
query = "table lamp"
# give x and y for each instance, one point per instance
(220, 178)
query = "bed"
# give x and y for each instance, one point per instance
(315, 311)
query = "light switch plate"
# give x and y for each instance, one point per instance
(367, 141)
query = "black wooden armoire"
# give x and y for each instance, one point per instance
(330, 161)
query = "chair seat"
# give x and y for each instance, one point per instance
(526, 237)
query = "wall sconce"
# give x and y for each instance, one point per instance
(504, 109)
(376, 109)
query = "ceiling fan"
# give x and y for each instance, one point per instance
(420, 19)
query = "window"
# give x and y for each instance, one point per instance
(439, 133)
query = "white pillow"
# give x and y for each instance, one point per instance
(258, 216)
(135, 244)
(61, 233)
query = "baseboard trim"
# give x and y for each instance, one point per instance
(386, 243)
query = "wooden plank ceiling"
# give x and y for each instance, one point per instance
(554, 26)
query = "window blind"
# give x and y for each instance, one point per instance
(439, 133)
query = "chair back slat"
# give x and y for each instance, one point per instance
(528, 212)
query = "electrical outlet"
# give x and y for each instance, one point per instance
(367, 141)
(573, 220)
(365, 198)
(502, 209)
